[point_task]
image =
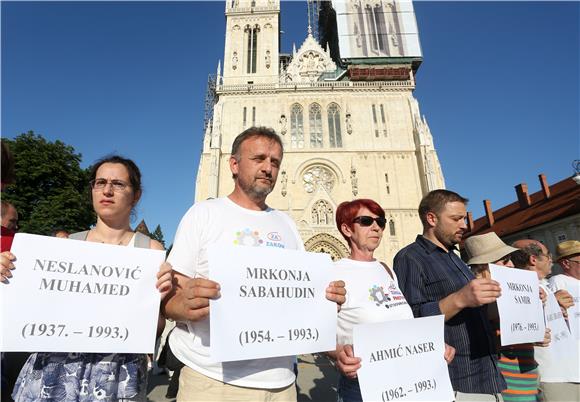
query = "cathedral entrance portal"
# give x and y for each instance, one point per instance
(325, 243)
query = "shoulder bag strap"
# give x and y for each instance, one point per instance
(387, 269)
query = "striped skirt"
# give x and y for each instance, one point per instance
(520, 370)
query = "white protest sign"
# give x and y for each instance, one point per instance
(273, 303)
(520, 308)
(559, 361)
(403, 360)
(572, 286)
(77, 296)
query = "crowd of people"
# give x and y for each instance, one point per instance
(428, 278)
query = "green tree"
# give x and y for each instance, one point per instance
(51, 189)
(158, 235)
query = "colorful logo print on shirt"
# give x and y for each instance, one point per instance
(391, 298)
(378, 295)
(248, 237)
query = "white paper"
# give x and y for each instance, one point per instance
(521, 316)
(559, 361)
(119, 315)
(403, 360)
(250, 321)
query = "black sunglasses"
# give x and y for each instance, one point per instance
(368, 221)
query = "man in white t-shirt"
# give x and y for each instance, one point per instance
(240, 218)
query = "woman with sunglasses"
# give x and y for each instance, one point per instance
(116, 189)
(373, 294)
(516, 362)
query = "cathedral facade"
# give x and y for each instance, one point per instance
(349, 131)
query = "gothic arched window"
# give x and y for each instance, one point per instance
(252, 53)
(334, 126)
(315, 115)
(296, 127)
(392, 231)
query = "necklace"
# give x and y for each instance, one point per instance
(120, 241)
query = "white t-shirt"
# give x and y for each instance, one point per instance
(372, 296)
(223, 221)
(572, 285)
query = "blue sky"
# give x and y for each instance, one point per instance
(499, 86)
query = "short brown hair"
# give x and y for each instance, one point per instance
(521, 257)
(255, 132)
(436, 200)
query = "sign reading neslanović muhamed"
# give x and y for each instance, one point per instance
(403, 360)
(521, 317)
(273, 303)
(77, 296)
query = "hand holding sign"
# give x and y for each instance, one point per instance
(336, 292)
(194, 296)
(479, 292)
(6, 265)
(346, 361)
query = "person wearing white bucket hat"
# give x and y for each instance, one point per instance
(516, 362)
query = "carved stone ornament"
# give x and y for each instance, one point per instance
(348, 123)
(353, 181)
(268, 59)
(234, 60)
(284, 182)
(283, 124)
(308, 63)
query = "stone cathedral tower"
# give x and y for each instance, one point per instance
(352, 130)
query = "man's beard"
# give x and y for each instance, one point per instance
(449, 240)
(256, 191)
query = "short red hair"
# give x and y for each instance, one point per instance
(348, 210)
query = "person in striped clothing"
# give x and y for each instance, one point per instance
(516, 362)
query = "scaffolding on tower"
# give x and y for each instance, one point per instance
(210, 101)
(313, 11)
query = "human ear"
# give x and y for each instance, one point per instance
(431, 218)
(234, 165)
(346, 230)
(136, 197)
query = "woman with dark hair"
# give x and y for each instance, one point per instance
(115, 190)
(373, 294)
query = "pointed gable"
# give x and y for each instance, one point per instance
(309, 62)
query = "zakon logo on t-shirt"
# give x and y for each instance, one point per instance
(378, 295)
(248, 237)
(395, 293)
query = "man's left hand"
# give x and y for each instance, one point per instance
(336, 292)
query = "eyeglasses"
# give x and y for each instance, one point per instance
(368, 221)
(504, 260)
(99, 184)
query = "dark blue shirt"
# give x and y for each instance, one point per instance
(427, 273)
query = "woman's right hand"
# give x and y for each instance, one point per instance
(346, 361)
(6, 266)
